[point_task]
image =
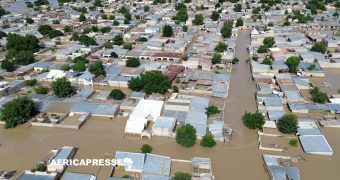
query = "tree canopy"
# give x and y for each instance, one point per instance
(150, 82)
(215, 16)
(239, 22)
(97, 68)
(167, 31)
(41, 90)
(288, 124)
(211, 110)
(117, 94)
(293, 63)
(217, 58)
(267, 61)
(227, 28)
(221, 47)
(146, 148)
(132, 62)
(199, 19)
(253, 120)
(118, 40)
(318, 96)
(186, 135)
(17, 111)
(208, 141)
(320, 47)
(62, 87)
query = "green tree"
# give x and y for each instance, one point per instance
(132, 62)
(143, 39)
(182, 176)
(82, 18)
(293, 63)
(211, 110)
(115, 23)
(320, 47)
(67, 29)
(267, 61)
(79, 66)
(65, 67)
(268, 42)
(237, 8)
(146, 8)
(186, 135)
(167, 31)
(253, 120)
(262, 49)
(41, 90)
(235, 60)
(221, 47)
(61, 87)
(86, 40)
(182, 15)
(105, 29)
(199, 19)
(135, 84)
(44, 29)
(7, 65)
(118, 40)
(288, 124)
(80, 58)
(41, 2)
(318, 96)
(227, 28)
(17, 111)
(42, 167)
(215, 16)
(217, 58)
(97, 68)
(127, 46)
(239, 22)
(151, 82)
(146, 148)
(29, 20)
(175, 89)
(208, 141)
(117, 94)
(55, 33)
(185, 28)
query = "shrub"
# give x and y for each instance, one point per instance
(182, 176)
(31, 82)
(40, 167)
(186, 135)
(41, 90)
(146, 148)
(253, 120)
(293, 142)
(288, 124)
(235, 60)
(208, 141)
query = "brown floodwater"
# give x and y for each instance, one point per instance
(25, 145)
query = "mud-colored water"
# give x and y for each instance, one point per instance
(25, 145)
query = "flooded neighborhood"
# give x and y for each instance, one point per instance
(179, 90)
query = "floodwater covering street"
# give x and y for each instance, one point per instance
(24, 146)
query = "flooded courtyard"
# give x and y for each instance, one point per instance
(25, 145)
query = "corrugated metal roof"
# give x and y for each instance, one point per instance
(157, 165)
